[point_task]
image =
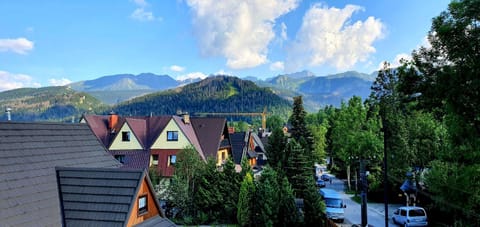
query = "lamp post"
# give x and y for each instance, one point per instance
(8, 111)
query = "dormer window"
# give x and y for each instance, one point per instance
(125, 136)
(142, 204)
(172, 135)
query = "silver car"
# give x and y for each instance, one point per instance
(410, 216)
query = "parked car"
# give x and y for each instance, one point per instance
(335, 206)
(321, 183)
(325, 177)
(410, 216)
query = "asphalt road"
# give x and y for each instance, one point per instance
(375, 211)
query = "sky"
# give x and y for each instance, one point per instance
(55, 42)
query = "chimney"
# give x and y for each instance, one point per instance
(8, 111)
(186, 118)
(112, 121)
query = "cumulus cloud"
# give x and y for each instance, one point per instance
(192, 76)
(327, 36)
(277, 66)
(59, 82)
(19, 45)
(177, 68)
(240, 31)
(141, 13)
(10, 81)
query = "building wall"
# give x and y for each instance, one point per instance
(118, 144)
(222, 155)
(162, 143)
(163, 168)
(153, 210)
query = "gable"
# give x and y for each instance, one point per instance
(165, 140)
(125, 139)
(150, 201)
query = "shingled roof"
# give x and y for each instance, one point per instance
(29, 153)
(102, 196)
(209, 131)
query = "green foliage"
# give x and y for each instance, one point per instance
(298, 169)
(274, 122)
(245, 207)
(267, 198)
(49, 104)
(287, 212)
(182, 188)
(276, 150)
(314, 206)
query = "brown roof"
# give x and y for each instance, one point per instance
(156, 124)
(29, 153)
(188, 130)
(209, 132)
(99, 126)
(139, 128)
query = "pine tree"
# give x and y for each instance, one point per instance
(275, 149)
(299, 130)
(298, 168)
(287, 211)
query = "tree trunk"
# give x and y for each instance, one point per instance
(348, 178)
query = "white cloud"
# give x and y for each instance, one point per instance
(140, 3)
(10, 81)
(223, 72)
(190, 76)
(141, 13)
(283, 34)
(327, 36)
(177, 68)
(396, 62)
(277, 66)
(19, 45)
(240, 31)
(59, 82)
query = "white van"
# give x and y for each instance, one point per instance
(410, 216)
(334, 204)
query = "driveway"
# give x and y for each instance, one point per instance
(375, 211)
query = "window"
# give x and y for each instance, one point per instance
(155, 159)
(142, 204)
(126, 136)
(120, 158)
(172, 135)
(403, 212)
(172, 159)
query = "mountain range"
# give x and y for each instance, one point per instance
(148, 93)
(318, 91)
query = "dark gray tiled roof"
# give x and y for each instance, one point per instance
(238, 145)
(29, 153)
(157, 222)
(98, 195)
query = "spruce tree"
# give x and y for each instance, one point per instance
(299, 130)
(275, 149)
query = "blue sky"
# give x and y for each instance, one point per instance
(53, 42)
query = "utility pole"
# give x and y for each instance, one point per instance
(363, 194)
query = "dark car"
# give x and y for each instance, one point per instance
(325, 177)
(321, 183)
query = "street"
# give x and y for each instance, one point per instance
(375, 211)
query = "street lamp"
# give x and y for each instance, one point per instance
(9, 116)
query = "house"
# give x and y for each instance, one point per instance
(29, 154)
(108, 197)
(154, 141)
(249, 145)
